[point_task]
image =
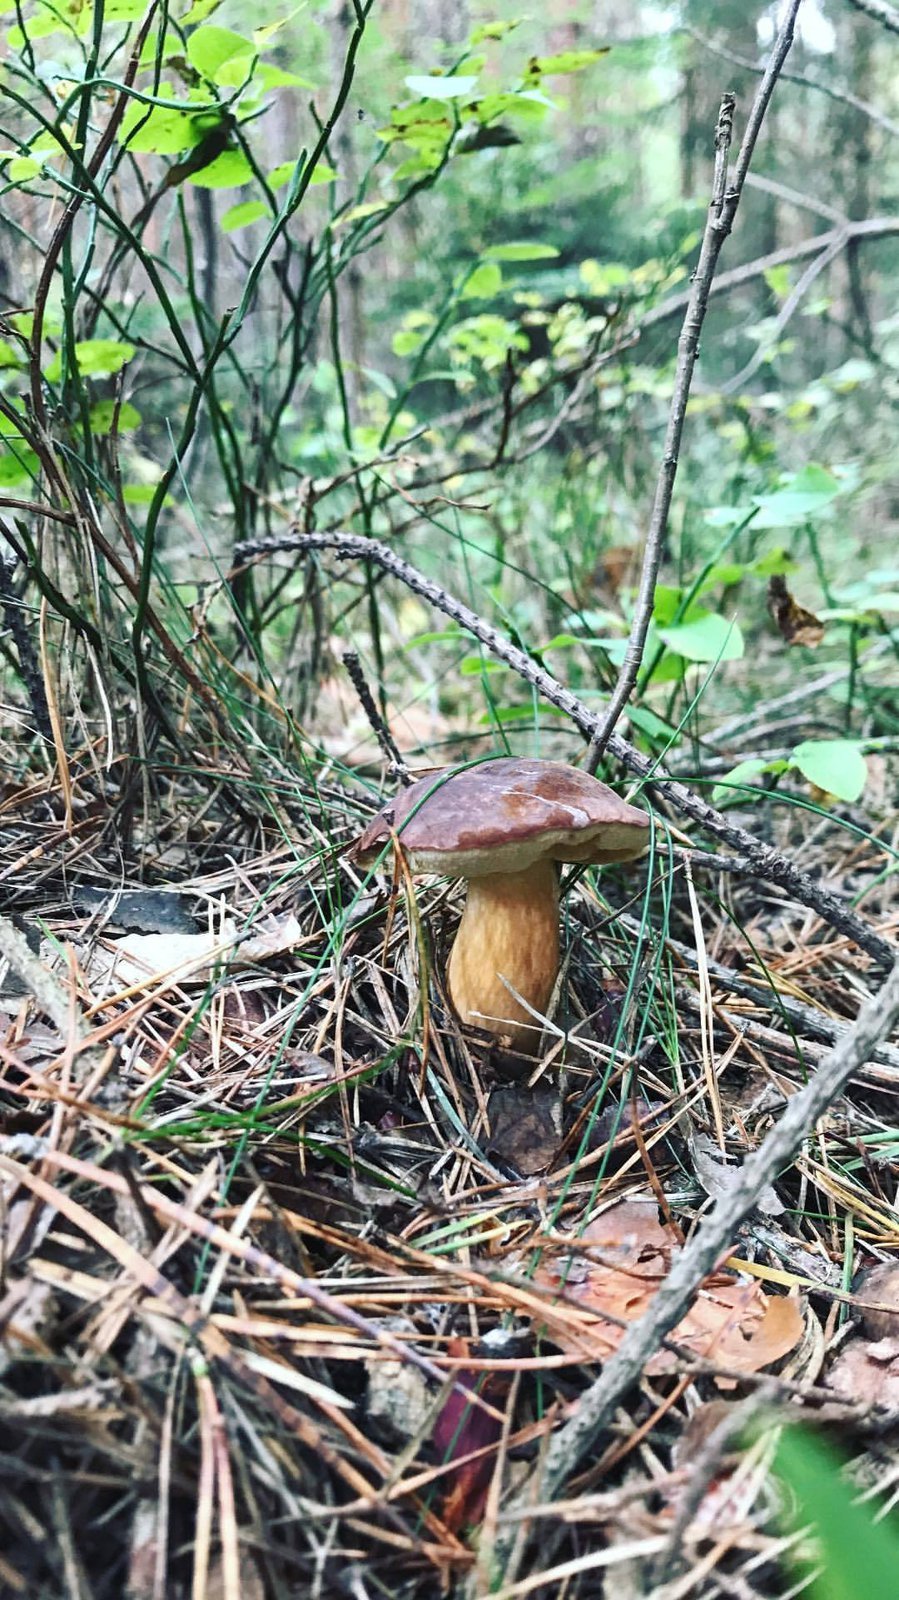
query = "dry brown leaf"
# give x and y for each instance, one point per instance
(625, 1254)
(462, 1429)
(524, 1127)
(616, 564)
(794, 624)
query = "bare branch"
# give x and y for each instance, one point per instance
(841, 96)
(880, 11)
(787, 311)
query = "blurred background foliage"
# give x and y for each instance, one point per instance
(417, 270)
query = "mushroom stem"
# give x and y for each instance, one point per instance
(509, 929)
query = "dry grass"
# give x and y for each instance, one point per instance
(256, 1221)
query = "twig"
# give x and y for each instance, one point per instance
(881, 12)
(717, 228)
(841, 96)
(720, 220)
(868, 228)
(597, 1405)
(761, 860)
(790, 305)
(806, 1020)
(382, 733)
(794, 197)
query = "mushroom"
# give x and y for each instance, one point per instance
(504, 826)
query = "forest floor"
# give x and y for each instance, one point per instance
(300, 1277)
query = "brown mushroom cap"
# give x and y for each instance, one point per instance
(504, 816)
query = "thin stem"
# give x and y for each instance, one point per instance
(722, 211)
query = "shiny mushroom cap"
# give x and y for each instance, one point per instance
(505, 816)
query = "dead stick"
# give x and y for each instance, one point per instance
(382, 733)
(597, 1405)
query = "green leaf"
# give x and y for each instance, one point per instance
(103, 416)
(94, 358)
(228, 171)
(804, 494)
(521, 252)
(281, 174)
(276, 78)
(778, 281)
(39, 27)
(668, 669)
(665, 602)
(725, 516)
(493, 30)
(141, 494)
(707, 637)
(240, 72)
(16, 469)
(859, 1556)
(529, 104)
(736, 778)
(727, 573)
(369, 208)
(241, 215)
(484, 282)
(835, 765)
(567, 61)
(407, 342)
(208, 48)
(159, 132)
(473, 666)
(199, 11)
(654, 727)
(21, 168)
(511, 714)
(381, 381)
(454, 87)
(322, 173)
(441, 636)
(777, 562)
(561, 641)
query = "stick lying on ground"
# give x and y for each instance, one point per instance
(697, 1259)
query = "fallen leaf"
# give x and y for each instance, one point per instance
(717, 1178)
(461, 1429)
(794, 624)
(524, 1127)
(616, 564)
(139, 957)
(624, 1256)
